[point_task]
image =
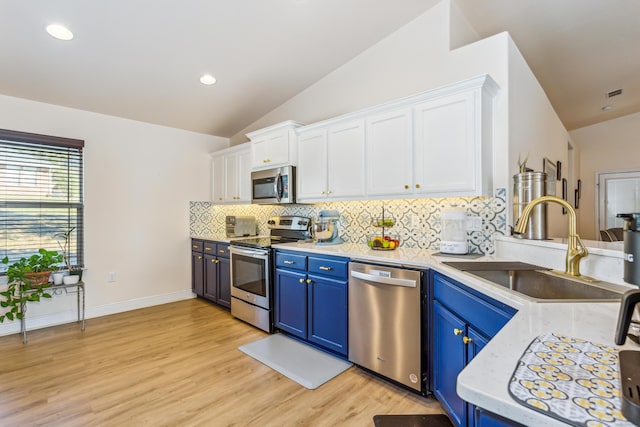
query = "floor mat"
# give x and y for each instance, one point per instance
(303, 364)
(426, 420)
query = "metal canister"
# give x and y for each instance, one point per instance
(526, 187)
(631, 233)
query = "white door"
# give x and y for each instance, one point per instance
(218, 180)
(231, 192)
(244, 175)
(312, 165)
(389, 154)
(618, 192)
(447, 146)
(345, 167)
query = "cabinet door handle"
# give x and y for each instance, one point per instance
(286, 261)
(322, 267)
(199, 257)
(266, 161)
(323, 192)
(221, 251)
(308, 281)
(215, 261)
(466, 340)
(457, 331)
(207, 249)
(195, 246)
(417, 185)
(301, 280)
(406, 187)
(329, 192)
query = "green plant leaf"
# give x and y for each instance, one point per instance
(9, 316)
(46, 295)
(20, 316)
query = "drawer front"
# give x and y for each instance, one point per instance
(222, 250)
(196, 245)
(291, 261)
(479, 313)
(209, 247)
(331, 267)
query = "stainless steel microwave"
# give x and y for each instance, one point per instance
(274, 186)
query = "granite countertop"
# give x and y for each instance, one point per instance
(484, 382)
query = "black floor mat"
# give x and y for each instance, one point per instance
(426, 420)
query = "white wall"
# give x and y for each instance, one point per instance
(417, 57)
(413, 59)
(139, 179)
(535, 130)
(610, 146)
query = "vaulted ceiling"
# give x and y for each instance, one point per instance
(142, 59)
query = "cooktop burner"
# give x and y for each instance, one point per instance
(283, 229)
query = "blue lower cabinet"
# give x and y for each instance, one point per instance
(488, 419)
(291, 302)
(449, 359)
(327, 308)
(463, 322)
(311, 299)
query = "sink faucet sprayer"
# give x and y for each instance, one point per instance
(575, 248)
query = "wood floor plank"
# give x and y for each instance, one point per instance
(175, 365)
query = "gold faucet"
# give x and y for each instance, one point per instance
(575, 249)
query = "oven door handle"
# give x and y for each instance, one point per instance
(247, 252)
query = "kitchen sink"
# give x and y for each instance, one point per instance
(540, 283)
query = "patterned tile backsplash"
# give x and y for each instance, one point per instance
(207, 219)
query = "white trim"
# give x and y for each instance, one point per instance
(70, 316)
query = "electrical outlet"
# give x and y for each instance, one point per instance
(111, 277)
(474, 223)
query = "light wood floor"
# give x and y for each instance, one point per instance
(175, 365)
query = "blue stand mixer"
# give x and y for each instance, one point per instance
(325, 228)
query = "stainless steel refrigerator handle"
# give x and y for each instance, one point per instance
(386, 280)
(277, 187)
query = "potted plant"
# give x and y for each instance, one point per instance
(27, 280)
(63, 240)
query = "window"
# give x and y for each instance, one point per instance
(41, 195)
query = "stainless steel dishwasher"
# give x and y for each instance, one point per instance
(385, 318)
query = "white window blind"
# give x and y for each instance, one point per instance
(41, 195)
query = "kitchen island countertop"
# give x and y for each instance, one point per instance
(484, 382)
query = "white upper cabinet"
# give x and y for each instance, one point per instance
(218, 180)
(345, 147)
(452, 158)
(274, 146)
(311, 172)
(389, 153)
(231, 174)
(331, 161)
(438, 143)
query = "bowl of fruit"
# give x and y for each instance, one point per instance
(379, 242)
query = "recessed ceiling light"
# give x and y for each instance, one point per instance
(207, 79)
(607, 108)
(59, 31)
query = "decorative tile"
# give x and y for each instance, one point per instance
(356, 218)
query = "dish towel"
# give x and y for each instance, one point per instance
(570, 379)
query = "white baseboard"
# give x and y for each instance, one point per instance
(44, 321)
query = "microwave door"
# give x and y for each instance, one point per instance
(278, 187)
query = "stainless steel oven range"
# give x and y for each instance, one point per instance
(252, 269)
